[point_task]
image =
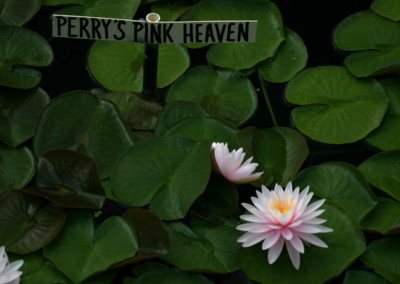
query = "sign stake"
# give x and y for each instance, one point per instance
(150, 62)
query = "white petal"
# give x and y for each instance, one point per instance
(254, 228)
(275, 251)
(287, 234)
(297, 243)
(252, 218)
(293, 254)
(315, 221)
(312, 240)
(309, 229)
(271, 240)
(253, 239)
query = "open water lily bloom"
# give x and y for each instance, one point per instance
(9, 273)
(231, 166)
(283, 217)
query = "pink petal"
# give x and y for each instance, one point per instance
(254, 228)
(251, 239)
(313, 240)
(252, 218)
(309, 229)
(287, 234)
(271, 240)
(297, 243)
(315, 221)
(275, 251)
(293, 254)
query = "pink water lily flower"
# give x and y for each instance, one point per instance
(9, 273)
(229, 164)
(283, 217)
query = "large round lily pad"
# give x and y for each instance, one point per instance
(334, 106)
(20, 48)
(382, 256)
(19, 112)
(17, 12)
(317, 265)
(361, 276)
(340, 183)
(222, 92)
(80, 251)
(17, 167)
(167, 172)
(123, 9)
(386, 136)
(290, 59)
(241, 55)
(382, 171)
(26, 223)
(118, 66)
(83, 122)
(375, 38)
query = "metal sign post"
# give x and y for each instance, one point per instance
(150, 63)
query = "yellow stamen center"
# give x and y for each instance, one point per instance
(282, 205)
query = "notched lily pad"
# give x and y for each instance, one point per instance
(241, 55)
(335, 107)
(384, 218)
(382, 171)
(386, 136)
(387, 8)
(17, 12)
(290, 58)
(26, 223)
(221, 92)
(19, 49)
(69, 179)
(122, 9)
(118, 66)
(81, 121)
(169, 173)
(17, 167)
(19, 112)
(376, 40)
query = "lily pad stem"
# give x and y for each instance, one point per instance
(271, 111)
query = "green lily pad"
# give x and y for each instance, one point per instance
(377, 40)
(153, 238)
(384, 218)
(26, 224)
(340, 183)
(382, 256)
(69, 179)
(335, 107)
(345, 244)
(359, 276)
(387, 8)
(203, 247)
(279, 151)
(386, 137)
(290, 58)
(17, 167)
(209, 129)
(21, 48)
(221, 92)
(79, 251)
(165, 275)
(36, 268)
(175, 111)
(139, 112)
(17, 12)
(382, 171)
(167, 172)
(220, 200)
(241, 55)
(19, 112)
(171, 10)
(118, 66)
(82, 122)
(122, 9)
